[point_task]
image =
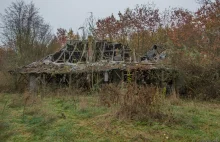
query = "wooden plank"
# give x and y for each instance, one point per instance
(84, 51)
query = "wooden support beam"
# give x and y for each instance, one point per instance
(64, 58)
(98, 79)
(106, 78)
(92, 78)
(123, 56)
(94, 52)
(103, 50)
(90, 51)
(113, 52)
(122, 79)
(134, 55)
(72, 52)
(117, 74)
(70, 80)
(32, 83)
(84, 51)
(64, 49)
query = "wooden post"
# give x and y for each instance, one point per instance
(64, 58)
(134, 55)
(90, 52)
(113, 52)
(92, 78)
(123, 53)
(84, 51)
(32, 83)
(103, 50)
(105, 76)
(97, 78)
(122, 78)
(70, 81)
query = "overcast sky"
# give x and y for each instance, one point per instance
(72, 13)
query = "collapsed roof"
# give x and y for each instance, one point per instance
(86, 56)
(154, 54)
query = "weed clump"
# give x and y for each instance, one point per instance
(134, 103)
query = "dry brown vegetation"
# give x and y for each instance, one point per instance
(134, 102)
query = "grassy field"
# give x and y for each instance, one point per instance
(82, 118)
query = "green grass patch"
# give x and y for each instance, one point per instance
(82, 118)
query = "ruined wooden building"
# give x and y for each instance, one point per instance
(91, 63)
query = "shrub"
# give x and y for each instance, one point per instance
(200, 75)
(6, 82)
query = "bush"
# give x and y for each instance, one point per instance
(203, 81)
(201, 74)
(6, 82)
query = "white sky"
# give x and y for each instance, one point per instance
(72, 13)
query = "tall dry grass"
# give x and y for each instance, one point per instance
(134, 102)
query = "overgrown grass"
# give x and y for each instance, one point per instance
(84, 118)
(134, 102)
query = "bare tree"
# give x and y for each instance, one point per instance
(25, 31)
(88, 28)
